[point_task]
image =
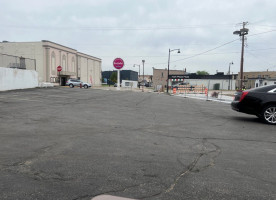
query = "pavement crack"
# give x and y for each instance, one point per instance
(208, 152)
(189, 168)
(153, 195)
(25, 167)
(214, 138)
(144, 99)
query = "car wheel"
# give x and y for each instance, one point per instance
(269, 114)
(85, 86)
(71, 85)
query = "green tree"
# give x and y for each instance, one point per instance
(113, 77)
(202, 73)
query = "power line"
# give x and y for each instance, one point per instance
(261, 33)
(141, 56)
(207, 51)
(198, 53)
(265, 26)
(217, 47)
(116, 28)
(257, 57)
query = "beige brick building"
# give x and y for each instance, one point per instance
(251, 77)
(160, 77)
(49, 55)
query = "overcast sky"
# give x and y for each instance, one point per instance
(137, 30)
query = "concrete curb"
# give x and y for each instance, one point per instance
(222, 99)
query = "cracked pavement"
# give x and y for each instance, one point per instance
(63, 143)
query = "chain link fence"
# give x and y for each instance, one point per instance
(9, 61)
(219, 90)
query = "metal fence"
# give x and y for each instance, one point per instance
(218, 90)
(10, 61)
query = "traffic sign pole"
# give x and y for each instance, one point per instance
(118, 80)
(59, 68)
(118, 64)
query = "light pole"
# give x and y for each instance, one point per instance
(139, 73)
(143, 61)
(242, 32)
(178, 51)
(231, 63)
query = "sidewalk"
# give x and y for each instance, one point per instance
(224, 97)
(123, 89)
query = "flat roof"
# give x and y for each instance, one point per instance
(44, 41)
(58, 44)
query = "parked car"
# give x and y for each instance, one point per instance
(75, 82)
(115, 85)
(258, 101)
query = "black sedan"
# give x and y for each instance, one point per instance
(258, 101)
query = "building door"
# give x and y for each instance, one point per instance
(63, 80)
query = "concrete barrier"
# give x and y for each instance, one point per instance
(45, 84)
(12, 79)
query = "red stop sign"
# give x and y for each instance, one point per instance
(59, 68)
(118, 63)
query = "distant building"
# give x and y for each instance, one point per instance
(256, 79)
(217, 81)
(160, 76)
(147, 80)
(49, 55)
(124, 75)
(263, 82)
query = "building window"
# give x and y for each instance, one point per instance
(53, 63)
(54, 79)
(22, 64)
(73, 65)
(162, 75)
(64, 63)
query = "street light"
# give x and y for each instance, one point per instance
(178, 51)
(143, 61)
(242, 32)
(139, 72)
(231, 63)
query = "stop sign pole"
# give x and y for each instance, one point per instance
(59, 68)
(118, 64)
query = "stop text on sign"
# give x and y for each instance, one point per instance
(59, 68)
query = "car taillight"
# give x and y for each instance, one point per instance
(244, 93)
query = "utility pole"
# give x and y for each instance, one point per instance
(231, 63)
(242, 59)
(168, 71)
(178, 51)
(143, 61)
(242, 32)
(138, 74)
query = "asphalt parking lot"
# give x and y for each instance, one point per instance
(62, 143)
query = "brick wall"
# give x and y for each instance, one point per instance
(160, 77)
